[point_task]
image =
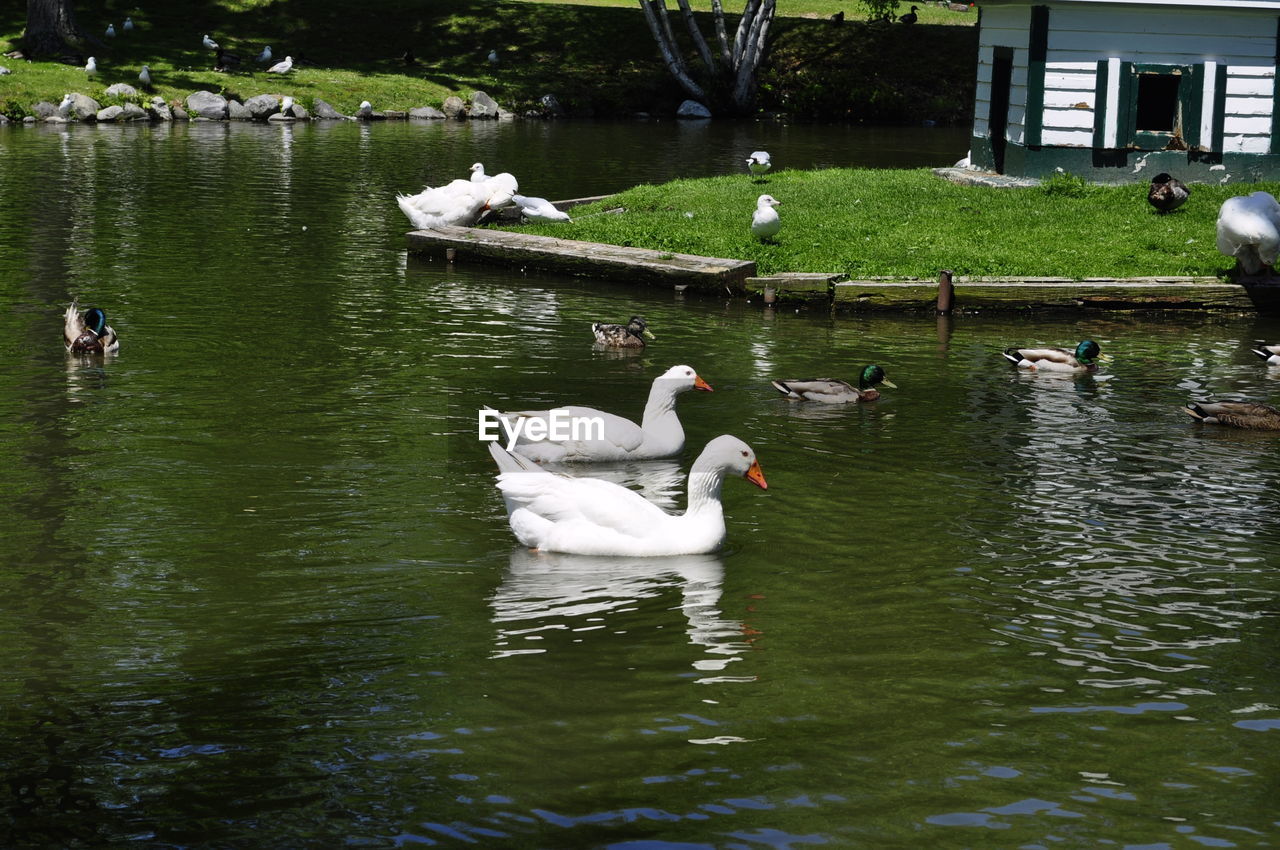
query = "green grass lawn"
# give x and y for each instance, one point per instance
(597, 59)
(870, 223)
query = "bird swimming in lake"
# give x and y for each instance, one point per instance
(88, 332)
(658, 435)
(1167, 193)
(590, 516)
(209, 43)
(630, 335)
(1249, 415)
(1083, 359)
(128, 25)
(1249, 229)
(264, 56)
(282, 67)
(1269, 353)
(111, 31)
(834, 391)
(91, 67)
(910, 17)
(758, 163)
(539, 209)
(765, 222)
(144, 77)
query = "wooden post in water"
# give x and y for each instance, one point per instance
(451, 254)
(946, 292)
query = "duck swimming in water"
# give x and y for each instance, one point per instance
(88, 333)
(1083, 359)
(630, 335)
(1249, 415)
(833, 391)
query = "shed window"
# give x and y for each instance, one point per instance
(1157, 107)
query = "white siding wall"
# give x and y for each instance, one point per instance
(1079, 36)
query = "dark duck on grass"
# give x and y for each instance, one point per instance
(630, 335)
(1249, 415)
(88, 332)
(1167, 193)
(910, 17)
(834, 391)
(1083, 359)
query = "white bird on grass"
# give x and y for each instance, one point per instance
(265, 55)
(493, 57)
(758, 163)
(209, 43)
(144, 77)
(282, 67)
(539, 209)
(111, 30)
(457, 203)
(128, 25)
(590, 516)
(765, 222)
(91, 67)
(1249, 230)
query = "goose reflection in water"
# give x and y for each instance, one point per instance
(546, 591)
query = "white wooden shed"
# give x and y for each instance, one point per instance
(1118, 90)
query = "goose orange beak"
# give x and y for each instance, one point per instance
(756, 476)
(699, 384)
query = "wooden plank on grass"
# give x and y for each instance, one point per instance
(1048, 293)
(588, 259)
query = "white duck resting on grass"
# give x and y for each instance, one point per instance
(587, 516)
(539, 209)
(1249, 229)
(658, 435)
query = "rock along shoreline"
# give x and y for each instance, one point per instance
(210, 106)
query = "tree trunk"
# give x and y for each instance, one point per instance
(51, 28)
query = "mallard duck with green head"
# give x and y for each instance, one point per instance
(88, 332)
(1084, 359)
(834, 391)
(631, 335)
(1250, 415)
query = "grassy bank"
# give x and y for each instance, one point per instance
(597, 59)
(865, 223)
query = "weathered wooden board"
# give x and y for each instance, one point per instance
(588, 259)
(1048, 293)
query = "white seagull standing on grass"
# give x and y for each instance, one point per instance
(265, 55)
(91, 67)
(128, 25)
(282, 67)
(209, 43)
(144, 77)
(111, 30)
(765, 222)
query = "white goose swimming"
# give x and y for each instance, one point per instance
(587, 516)
(658, 435)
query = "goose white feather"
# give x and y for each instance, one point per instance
(658, 435)
(457, 203)
(765, 222)
(539, 209)
(1249, 230)
(587, 516)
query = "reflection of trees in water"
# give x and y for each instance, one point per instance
(548, 592)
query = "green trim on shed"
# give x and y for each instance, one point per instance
(1194, 109)
(1216, 143)
(1037, 53)
(1100, 104)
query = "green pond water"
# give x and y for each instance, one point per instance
(257, 588)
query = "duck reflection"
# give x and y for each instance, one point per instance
(546, 591)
